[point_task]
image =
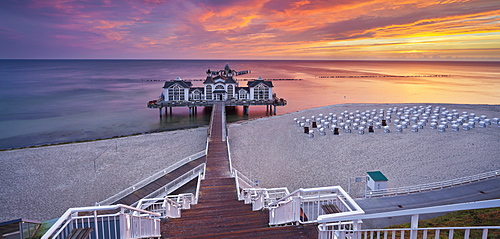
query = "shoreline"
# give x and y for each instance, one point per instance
(101, 139)
(269, 149)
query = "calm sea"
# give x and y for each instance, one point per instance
(53, 101)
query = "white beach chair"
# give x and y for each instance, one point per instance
(465, 126)
(441, 128)
(399, 128)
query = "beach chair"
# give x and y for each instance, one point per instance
(441, 128)
(370, 129)
(399, 128)
(465, 126)
(414, 128)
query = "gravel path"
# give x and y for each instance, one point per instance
(42, 183)
(277, 152)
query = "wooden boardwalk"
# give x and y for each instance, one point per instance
(218, 213)
(157, 184)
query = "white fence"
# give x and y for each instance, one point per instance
(118, 221)
(432, 186)
(306, 205)
(169, 206)
(336, 226)
(152, 178)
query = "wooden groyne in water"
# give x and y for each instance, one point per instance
(378, 76)
(237, 80)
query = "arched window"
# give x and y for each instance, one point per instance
(219, 87)
(242, 94)
(196, 95)
(230, 91)
(261, 92)
(208, 92)
(176, 93)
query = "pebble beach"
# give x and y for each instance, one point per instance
(42, 183)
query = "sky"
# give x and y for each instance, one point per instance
(250, 29)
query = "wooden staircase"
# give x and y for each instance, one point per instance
(218, 213)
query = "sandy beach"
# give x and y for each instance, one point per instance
(277, 152)
(41, 183)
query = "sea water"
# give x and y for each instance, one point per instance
(54, 101)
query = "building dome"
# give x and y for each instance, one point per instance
(227, 68)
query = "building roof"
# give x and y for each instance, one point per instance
(242, 88)
(377, 176)
(197, 89)
(179, 81)
(209, 80)
(219, 91)
(259, 81)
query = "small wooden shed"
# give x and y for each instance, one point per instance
(376, 180)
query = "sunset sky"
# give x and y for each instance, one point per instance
(253, 29)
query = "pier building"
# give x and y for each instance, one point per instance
(218, 86)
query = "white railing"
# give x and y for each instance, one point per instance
(306, 205)
(262, 197)
(152, 178)
(349, 226)
(119, 221)
(163, 206)
(169, 206)
(242, 182)
(432, 186)
(224, 126)
(231, 169)
(198, 171)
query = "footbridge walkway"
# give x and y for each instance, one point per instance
(218, 213)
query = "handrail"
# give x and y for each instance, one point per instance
(224, 126)
(306, 205)
(244, 178)
(167, 187)
(68, 214)
(319, 189)
(231, 170)
(432, 186)
(408, 212)
(152, 178)
(209, 132)
(334, 225)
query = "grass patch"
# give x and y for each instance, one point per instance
(466, 218)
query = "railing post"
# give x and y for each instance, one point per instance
(485, 233)
(414, 226)
(356, 226)
(96, 225)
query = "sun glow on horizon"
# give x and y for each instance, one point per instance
(253, 29)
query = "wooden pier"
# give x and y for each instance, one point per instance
(193, 105)
(218, 213)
